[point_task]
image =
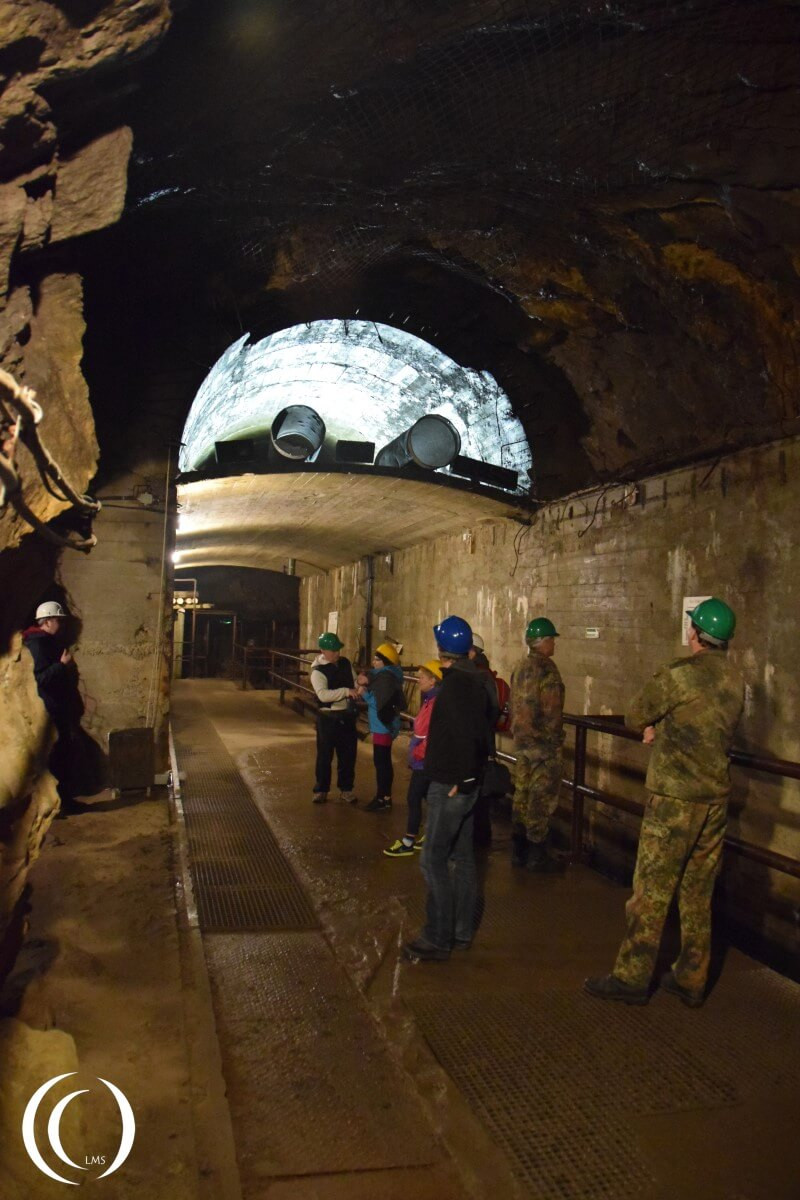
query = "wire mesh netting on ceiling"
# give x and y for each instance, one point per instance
(387, 124)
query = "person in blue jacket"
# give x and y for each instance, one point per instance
(382, 689)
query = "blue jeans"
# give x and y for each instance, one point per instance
(448, 835)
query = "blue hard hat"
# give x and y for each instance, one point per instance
(454, 635)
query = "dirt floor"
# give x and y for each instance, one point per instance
(103, 962)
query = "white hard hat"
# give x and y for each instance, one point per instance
(477, 642)
(50, 608)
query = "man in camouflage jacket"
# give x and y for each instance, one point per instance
(537, 705)
(688, 713)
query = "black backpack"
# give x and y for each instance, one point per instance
(393, 706)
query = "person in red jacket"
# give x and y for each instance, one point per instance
(429, 680)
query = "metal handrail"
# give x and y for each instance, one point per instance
(581, 791)
(262, 656)
(741, 758)
(292, 683)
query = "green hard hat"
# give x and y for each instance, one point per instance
(329, 641)
(715, 618)
(540, 627)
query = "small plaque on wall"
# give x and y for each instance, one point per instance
(333, 622)
(689, 603)
(592, 632)
(382, 623)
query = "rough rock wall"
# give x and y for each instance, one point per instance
(621, 562)
(52, 191)
(121, 595)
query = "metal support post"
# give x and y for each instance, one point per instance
(578, 781)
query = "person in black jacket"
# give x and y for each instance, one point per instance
(482, 819)
(454, 763)
(334, 685)
(57, 685)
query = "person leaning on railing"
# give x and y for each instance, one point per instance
(688, 713)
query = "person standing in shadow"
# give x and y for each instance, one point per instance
(57, 684)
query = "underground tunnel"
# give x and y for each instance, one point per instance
(321, 325)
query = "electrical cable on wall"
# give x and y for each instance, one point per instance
(29, 414)
(519, 537)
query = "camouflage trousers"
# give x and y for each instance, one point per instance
(680, 847)
(536, 784)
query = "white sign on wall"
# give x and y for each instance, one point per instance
(333, 622)
(690, 603)
(381, 622)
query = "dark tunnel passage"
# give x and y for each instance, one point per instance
(320, 324)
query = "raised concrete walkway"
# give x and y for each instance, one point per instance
(352, 1073)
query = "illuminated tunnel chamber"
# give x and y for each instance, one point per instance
(367, 382)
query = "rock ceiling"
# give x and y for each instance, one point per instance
(597, 202)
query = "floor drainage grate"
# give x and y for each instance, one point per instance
(534, 1071)
(241, 878)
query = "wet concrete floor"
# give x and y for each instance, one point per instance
(353, 1073)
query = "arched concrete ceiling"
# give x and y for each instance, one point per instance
(320, 520)
(598, 203)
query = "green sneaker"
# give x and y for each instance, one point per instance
(419, 843)
(399, 849)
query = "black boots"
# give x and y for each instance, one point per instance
(533, 856)
(608, 987)
(540, 862)
(379, 804)
(519, 849)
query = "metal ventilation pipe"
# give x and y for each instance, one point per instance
(431, 442)
(297, 432)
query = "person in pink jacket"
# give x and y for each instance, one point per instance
(429, 679)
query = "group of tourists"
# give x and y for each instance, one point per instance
(687, 714)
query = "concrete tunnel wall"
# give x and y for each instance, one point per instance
(622, 562)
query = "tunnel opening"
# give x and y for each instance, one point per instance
(269, 453)
(350, 380)
(226, 620)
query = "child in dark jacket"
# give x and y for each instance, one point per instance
(382, 689)
(429, 680)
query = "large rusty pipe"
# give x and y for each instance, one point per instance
(431, 442)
